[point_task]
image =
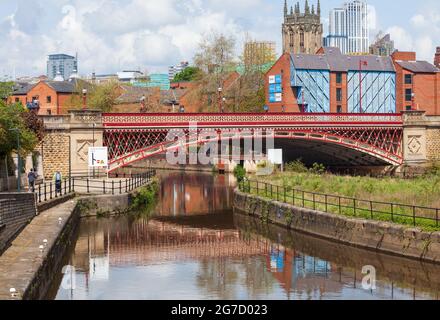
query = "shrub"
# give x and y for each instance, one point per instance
(239, 173)
(318, 168)
(296, 166)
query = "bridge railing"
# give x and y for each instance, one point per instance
(121, 119)
(84, 185)
(367, 209)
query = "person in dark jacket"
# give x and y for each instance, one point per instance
(32, 176)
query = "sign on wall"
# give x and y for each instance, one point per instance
(98, 157)
(275, 88)
(275, 156)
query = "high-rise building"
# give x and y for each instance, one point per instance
(383, 46)
(358, 33)
(337, 30)
(302, 32)
(63, 64)
(173, 70)
(349, 29)
(437, 58)
(259, 52)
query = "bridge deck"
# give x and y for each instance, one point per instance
(222, 120)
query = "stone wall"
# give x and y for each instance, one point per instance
(56, 154)
(16, 211)
(433, 144)
(379, 236)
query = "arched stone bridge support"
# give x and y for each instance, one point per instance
(68, 137)
(410, 139)
(421, 139)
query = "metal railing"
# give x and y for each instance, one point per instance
(50, 190)
(367, 209)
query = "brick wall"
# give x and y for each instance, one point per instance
(16, 210)
(55, 154)
(433, 144)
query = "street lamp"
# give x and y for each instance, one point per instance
(142, 100)
(84, 92)
(220, 100)
(18, 159)
(93, 142)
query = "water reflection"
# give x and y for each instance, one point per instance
(196, 249)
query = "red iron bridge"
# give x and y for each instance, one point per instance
(334, 139)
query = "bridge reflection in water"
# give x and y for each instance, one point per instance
(218, 255)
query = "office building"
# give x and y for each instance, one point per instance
(63, 64)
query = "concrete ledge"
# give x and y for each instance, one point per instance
(41, 207)
(374, 235)
(24, 267)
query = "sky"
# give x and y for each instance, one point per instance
(150, 35)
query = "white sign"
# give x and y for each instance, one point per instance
(271, 79)
(275, 156)
(98, 157)
(278, 97)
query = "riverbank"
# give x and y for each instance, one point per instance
(36, 255)
(419, 191)
(383, 237)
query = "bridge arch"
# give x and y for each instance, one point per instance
(337, 147)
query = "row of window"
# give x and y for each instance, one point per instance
(408, 78)
(48, 99)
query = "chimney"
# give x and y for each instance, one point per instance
(437, 58)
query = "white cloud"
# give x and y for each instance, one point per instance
(421, 37)
(113, 34)
(402, 39)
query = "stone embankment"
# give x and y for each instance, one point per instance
(35, 257)
(374, 235)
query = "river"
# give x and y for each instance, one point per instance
(194, 247)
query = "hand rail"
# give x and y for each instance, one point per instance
(368, 209)
(49, 190)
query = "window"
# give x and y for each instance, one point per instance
(48, 99)
(301, 41)
(408, 94)
(339, 109)
(408, 78)
(17, 100)
(339, 94)
(408, 108)
(339, 78)
(49, 112)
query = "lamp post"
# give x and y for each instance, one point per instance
(143, 109)
(220, 100)
(18, 159)
(412, 101)
(93, 142)
(84, 92)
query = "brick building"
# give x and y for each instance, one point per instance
(53, 97)
(331, 82)
(417, 84)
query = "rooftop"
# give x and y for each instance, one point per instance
(333, 60)
(418, 66)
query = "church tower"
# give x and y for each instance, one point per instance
(302, 32)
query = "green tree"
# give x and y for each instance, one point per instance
(104, 97)
(188, 74)
(100, 97)
(13, 117)
(6, 89)
(215, 59)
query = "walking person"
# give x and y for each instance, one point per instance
(57, 177)
(32, 176)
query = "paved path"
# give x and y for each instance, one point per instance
(20, 263)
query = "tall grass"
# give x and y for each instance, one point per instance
(422, 191)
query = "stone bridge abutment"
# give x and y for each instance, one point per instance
(68, 137)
